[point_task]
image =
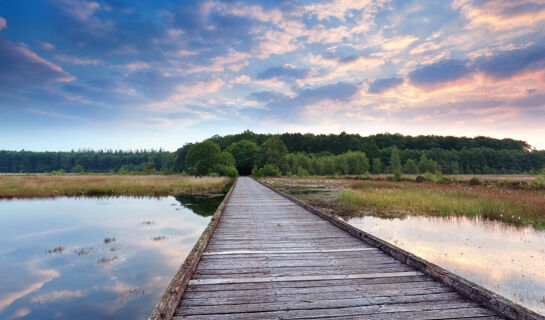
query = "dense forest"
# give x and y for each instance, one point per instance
(86, 161)
(300, 154)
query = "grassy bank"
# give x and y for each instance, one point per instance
(521, 207)
(30, 186)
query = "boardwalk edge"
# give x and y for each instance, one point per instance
(166, 306)
(473, 291)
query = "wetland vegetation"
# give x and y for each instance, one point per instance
(41, 186)
(494, 199)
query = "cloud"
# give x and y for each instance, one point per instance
(501, 14)
(266, 96)
(3, 23)
(46, 45)
(58, 295)
(80, 10)
(440, 72)
(381, 85)
(76, 60)
(509, 63)
(243, 79)
(287, 71)
(287, 108)
(21, 67)
(137, 65)
(399, 43)
(184, 91)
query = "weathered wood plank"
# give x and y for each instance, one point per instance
(272, 252)
(367, 305)
(196, 282)
(362, 284)
(352, 313)
(301, 295)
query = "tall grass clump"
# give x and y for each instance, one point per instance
(518, 207)
(539, 181)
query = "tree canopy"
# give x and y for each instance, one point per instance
(295, 153)
(208, 158)
(246, 154)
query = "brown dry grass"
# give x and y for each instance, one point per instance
(30, 186)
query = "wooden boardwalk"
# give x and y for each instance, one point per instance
(270, 258)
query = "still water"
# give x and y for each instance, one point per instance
(94, 258)
(502, 258)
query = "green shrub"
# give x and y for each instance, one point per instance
(439, 177)
(539, 181)
(428, 176)
(228, 171)
(366, 176)
(301, 172)
(397, 174)
(268, 170)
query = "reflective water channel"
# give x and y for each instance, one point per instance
(94, 258)
(502, 258)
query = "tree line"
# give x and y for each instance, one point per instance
(146, 161)
(299, 154)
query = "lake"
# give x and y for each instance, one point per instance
(505, 259)
(94, 258)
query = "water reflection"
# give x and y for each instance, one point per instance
(200, 204)
(502, 258)
(92, 258)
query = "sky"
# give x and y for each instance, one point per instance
(157, 74)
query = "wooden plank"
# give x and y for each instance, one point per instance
(273, 252)
(362, 284)
(328, 309)
(196, 282)
(272, 295)
(352, 313)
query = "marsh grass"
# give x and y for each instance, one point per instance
(520, 207)
(41, 186)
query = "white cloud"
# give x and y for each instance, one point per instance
(80, 10)
(185, 91)
(399, 43)
(46, 45)
(53, 296)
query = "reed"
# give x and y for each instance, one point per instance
(520, 207)
(41, 186)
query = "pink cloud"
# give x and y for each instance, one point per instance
(3, 23)
(501, 15)
(23, 67)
